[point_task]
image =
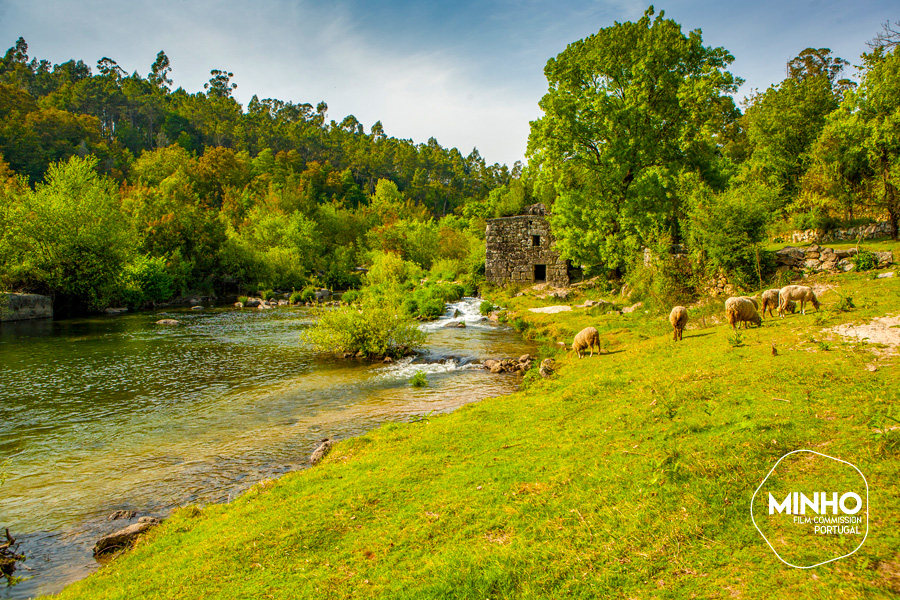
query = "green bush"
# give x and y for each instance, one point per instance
(147, 280)
(429, 300)
(243, 299)
(375, 329)
(864, 261)
(308, 294)
(725, 231)
(486, 307)
(296, 296)
(351, 296)
(814, 220)
(418, 380)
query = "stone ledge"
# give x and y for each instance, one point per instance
(22, 307)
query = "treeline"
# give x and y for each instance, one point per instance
(642, 146)
(117, 189)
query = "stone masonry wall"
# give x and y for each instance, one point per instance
(865, 232)
(511, 255)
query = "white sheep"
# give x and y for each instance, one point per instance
(741, 310)
(585, 339)
(678, 318)
(796, 293)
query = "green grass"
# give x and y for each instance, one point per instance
(627, 475)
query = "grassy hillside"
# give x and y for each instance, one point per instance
(627, 475)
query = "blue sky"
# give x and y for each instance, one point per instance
(467, 73)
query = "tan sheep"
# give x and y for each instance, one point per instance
(770, 301)
(586, 338)
(678, 318)
(796, 293)
(754, 300)
(741, 310)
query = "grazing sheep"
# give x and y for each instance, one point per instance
(585, 339)
(801, 293)
(770, 301)
(678, 318)
(754, 300)
(741, 310)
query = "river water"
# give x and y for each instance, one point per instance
(107, 413)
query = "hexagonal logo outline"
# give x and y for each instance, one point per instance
(766, 478)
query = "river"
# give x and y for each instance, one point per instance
(116, 412)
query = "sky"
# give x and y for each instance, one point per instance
(468, 73)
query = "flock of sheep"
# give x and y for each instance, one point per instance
(743, 309)
(738, 310)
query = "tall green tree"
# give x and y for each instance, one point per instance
(74, 239)
(784, 121)
(628, 109)
(858, 151)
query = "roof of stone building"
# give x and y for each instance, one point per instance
(538, 210)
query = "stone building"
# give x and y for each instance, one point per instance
(519, 250)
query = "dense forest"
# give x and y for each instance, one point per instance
(116, 189)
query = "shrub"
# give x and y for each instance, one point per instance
(243, 299)
(864, 261)
(147, 280)
(486, 307)
(814, 220)
(725, 230)
(376, 329)
(418, 380)
(351, 296)
(447, 269)
(296, 296)
(308, 294)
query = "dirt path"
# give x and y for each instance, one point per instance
(881, 330)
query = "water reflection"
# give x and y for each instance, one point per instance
(113, 413)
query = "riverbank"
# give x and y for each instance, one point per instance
(624, 475)
(108, 413)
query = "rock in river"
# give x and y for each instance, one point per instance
(124, 537)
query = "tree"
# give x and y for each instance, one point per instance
(813, 62)
(859, 150)
(887, 39)
(220, 85)
(628, 109)
(784, 121)
(73, 237)
(159, 72)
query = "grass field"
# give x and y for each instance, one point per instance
(625, 475)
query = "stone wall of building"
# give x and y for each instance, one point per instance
(512, 255)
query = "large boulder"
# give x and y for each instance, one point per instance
(21, 307)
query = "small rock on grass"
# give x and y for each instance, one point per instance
(321, 452)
